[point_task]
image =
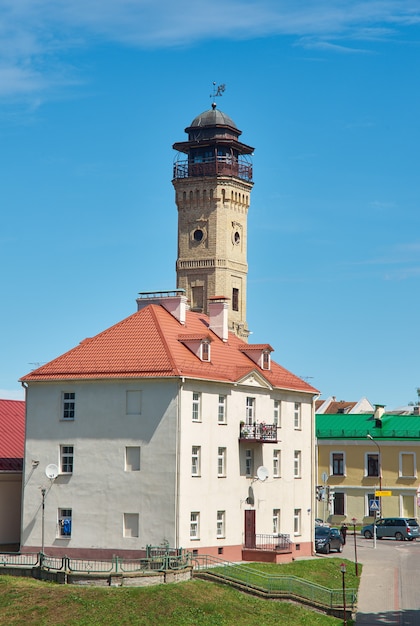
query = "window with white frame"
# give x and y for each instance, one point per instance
(249, 463)
(407, 465)
(220, 529)
(131, 525)
(297, 462)
(297, 416)
(64, 522)
(69, 405)
(266, 360)
(297, 521)
(338, 503)
(337, 463)
(205, 351)
(195, 525)
(370, 499)
(133, 402)
(250, 411)
(132, 458)
(196, 406)
(372, 465)
(221, 412)
(276, 521)
(276, 463)
(66, 459)
(221, 461)
(196, 461)
(276, 413)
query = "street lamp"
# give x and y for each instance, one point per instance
(354, 521)
(343, 572)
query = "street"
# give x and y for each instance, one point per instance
(389, 590)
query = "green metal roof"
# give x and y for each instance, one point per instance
(358, 426)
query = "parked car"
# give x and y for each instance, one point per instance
(320, 522)
(399, 527)
(327, 539)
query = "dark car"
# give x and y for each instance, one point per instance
(399, 527)
(327, 539)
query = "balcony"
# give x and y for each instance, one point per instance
(214, 166)
(261, 433)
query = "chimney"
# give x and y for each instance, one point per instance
(175, 302)
(218, 314)
(379, 411)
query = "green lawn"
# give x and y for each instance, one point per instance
(194, 603)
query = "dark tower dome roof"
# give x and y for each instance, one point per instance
(213, 117)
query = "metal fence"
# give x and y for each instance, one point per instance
(289, 586)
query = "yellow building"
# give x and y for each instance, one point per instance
(367, 466)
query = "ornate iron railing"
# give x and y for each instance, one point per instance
(259, 432)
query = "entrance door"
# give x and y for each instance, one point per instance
(250, 528)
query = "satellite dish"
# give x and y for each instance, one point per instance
(51, 471)
(262, 473)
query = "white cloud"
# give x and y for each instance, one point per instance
(33, 32)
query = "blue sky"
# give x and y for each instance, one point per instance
(94, 93)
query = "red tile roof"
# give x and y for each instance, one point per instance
(146, 344)
(12, 435)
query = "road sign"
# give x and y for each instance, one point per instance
(374, 505)
(381, 494)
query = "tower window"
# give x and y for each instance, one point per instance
(198, 234)
(197, 298)
(235, 299)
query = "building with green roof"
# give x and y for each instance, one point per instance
(359, 455)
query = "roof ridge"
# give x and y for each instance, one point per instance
(162, 336)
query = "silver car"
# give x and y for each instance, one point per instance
(399, 527)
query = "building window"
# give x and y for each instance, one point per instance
(266, 360)
(250, 411)
(297, 464)
(205, 351)
(133, 402)
(276, 413)
(220, 524)
(66, 459)
(195, 525)
(132, 458)
(69, 403)
(276, 521)
(221, 461)
(197, 294)
(276, 463)
(235, 299)
(131, 525)
(407, 465)
(64, 522)
(372, 465)
(370, 499)
(338, 503)
(297, 517)
(196, 461)
(337, 463)
(249, 463)
(221, 413)
(196, 406)
(297, 416)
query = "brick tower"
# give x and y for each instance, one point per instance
(213, 183)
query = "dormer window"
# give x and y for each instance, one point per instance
(266, 360)
(205, 351)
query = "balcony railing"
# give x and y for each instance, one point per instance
(270, 543)
(264, 433)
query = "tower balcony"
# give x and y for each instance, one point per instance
(213, 166)
(261, 433)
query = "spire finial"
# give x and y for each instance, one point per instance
(217, 91)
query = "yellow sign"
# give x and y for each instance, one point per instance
(381, 494)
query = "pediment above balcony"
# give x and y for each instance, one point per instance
(254, 379)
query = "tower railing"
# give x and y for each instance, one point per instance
(213, 166)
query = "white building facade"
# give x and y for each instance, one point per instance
(187, 455)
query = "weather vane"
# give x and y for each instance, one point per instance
(217, 91)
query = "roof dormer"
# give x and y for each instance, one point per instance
(260, 353)
(198, 344)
